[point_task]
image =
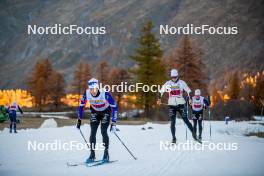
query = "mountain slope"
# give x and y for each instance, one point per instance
(123, 20)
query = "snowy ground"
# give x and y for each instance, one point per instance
(145, 144)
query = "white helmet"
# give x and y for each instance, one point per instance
(174, 73)
(197, 92)
(93, 83)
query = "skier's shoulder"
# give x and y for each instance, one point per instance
(182, 82)
(168, 82)
(103, 91)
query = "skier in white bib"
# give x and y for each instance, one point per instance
(176, 101)
(102, 106)
(198, 104)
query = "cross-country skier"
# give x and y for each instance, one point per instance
(102, 105)
(227, 118)
(198, 104)
(12, 115)
(176, 101)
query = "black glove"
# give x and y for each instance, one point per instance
(79, 123)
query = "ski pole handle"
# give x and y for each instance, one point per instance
(125, 146)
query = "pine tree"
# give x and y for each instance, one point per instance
(188, 61)
(234, 87)
(149, 70)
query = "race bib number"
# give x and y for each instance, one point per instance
(197, 106)
(176, 92)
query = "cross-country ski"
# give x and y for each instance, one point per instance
(91, 164)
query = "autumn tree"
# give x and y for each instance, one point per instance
(45, 84)
(37, 82)
(102, 72)
(56, 88)
(234, 86)
(149, 70)
(81, 75)
(259, 90)
(188, 60)
(117, 76)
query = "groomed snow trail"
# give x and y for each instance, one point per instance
(145, 144)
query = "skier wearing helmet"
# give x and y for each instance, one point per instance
(198, 104)
(176, 102)
(102, 105)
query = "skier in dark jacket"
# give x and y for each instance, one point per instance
(198, 104)
(102, 105)
(12, 115)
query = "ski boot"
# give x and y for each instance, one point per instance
(15, 131)
(200, 137)
(173, 140)
(106, 156)
(195, 138)
(10, 127)
(91, 158)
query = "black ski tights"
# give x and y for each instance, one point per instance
(199, 126)
(96, 118)
(183, 112)
(198, 117)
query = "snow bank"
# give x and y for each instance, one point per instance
(49, 123)
(259, 118)
(5, 130)
(243, 128)
(54, 116)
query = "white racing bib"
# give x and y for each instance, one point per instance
(197, 104)
(98, 103)
(175, 91)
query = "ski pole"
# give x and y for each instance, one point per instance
(125, 146)
(209, 116)
(84, 139)
(187, 107)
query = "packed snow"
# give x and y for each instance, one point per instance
(16, 159)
